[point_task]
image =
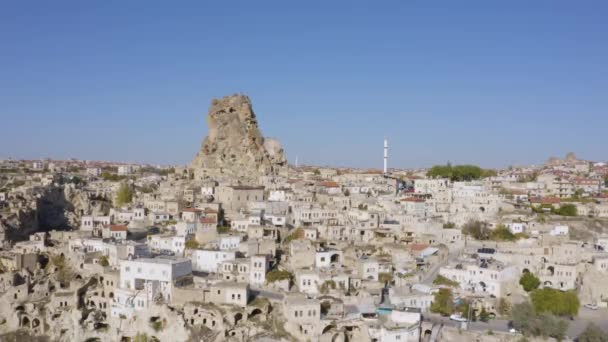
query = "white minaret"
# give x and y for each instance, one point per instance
(385, 156)
(296, 161)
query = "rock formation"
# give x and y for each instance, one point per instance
(235, 147)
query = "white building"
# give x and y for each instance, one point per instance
(155, 277)
(94, 171)
(398, 326)
(167, 244)
(559, 230)
(90, 222)
(205, 260)
(493, 279)
(516, 227)
(125, 170)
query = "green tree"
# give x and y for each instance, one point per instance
(441, 280)
(548, 300)
(566, 210)
(192, 244)
(459, 172)
(443, 302)
(523, 317)
(529, 281)
(593, 334)
(222, 229)
(504, 307)
(103, 261)
(124, 195)
(476, 229)
(502, 233)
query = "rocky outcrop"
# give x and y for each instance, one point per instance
(235, 146)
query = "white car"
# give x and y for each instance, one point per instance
(591, 306)
(457, 318)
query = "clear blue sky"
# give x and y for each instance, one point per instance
(487, 82)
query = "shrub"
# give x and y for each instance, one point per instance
(103, 261)
(222, 229)
(192, 244)
(385, 277)
(529, 322)
(484, 316)
(504, 307)
(502, 233)
(593, 334)
(297, 234)
(278, 275)
(327, 285)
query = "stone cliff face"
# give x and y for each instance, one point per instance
(50, 208)
(235, 146)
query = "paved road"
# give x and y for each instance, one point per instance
(494, 325)
(575, 327)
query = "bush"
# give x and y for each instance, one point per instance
(502, 233)
(385, 277)
(222, 229)
(593, 334)
(484, 316)
(529, 281)
(103, 261)
(111, 177)
(327, 285)
(526, 320)
(192, 244)
(504, 307)
(278, 275)
(297, 234)
(449, 225)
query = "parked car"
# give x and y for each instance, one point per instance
(591, 306)
(457, 318)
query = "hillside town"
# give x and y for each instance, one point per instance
(241, 245)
